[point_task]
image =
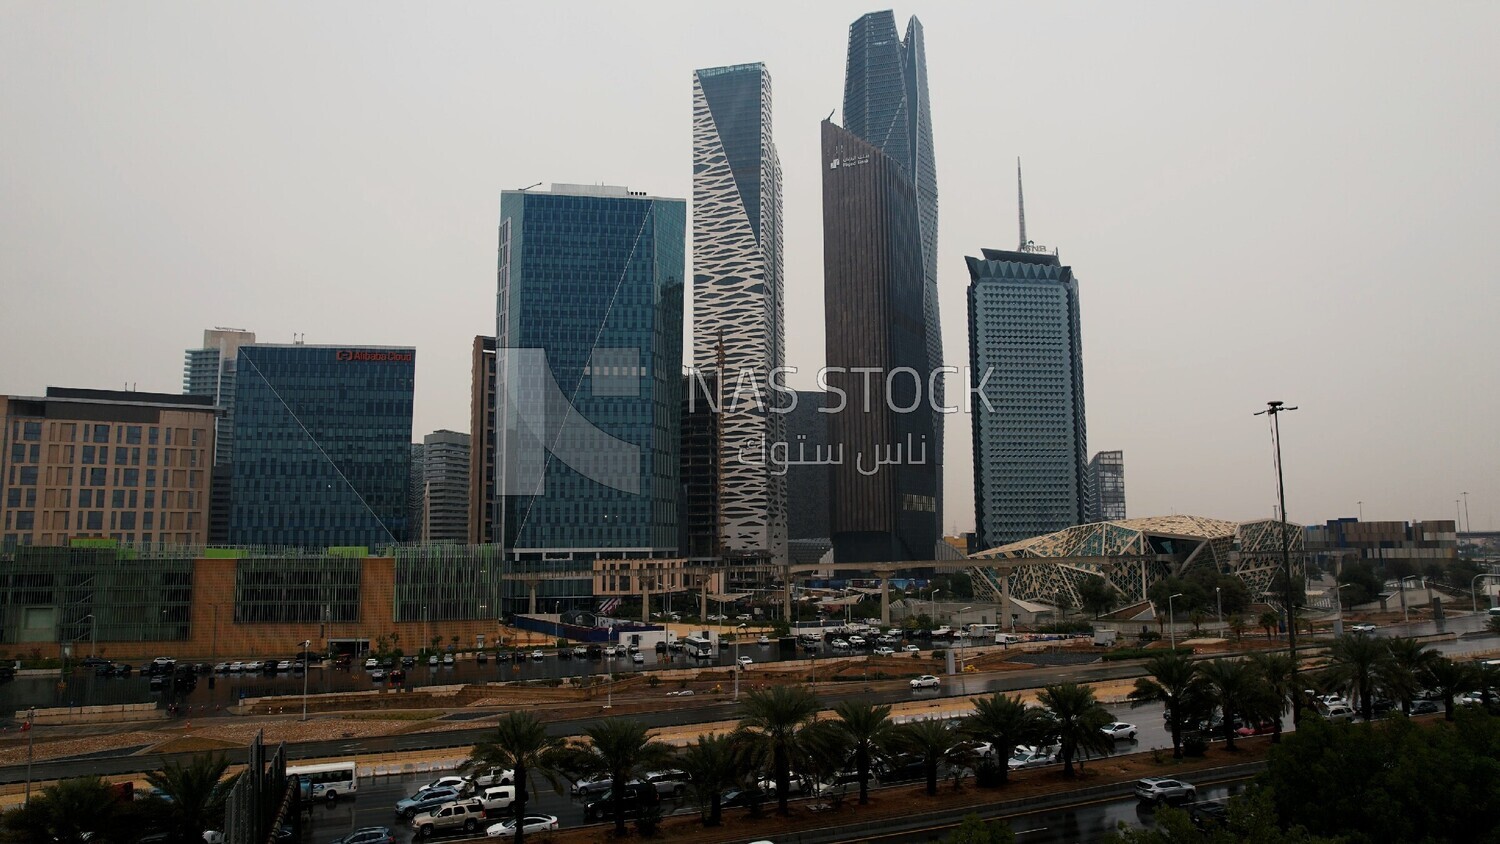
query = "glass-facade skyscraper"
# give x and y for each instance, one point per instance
(589, 368)
(886, 104)
(1026, 359)
(883, 484)
(737, 297)
(1106, 487)
(323, 445)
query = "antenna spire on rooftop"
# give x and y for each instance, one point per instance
(1021, 201)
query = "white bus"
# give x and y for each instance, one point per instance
(698, 646)
(328, 782)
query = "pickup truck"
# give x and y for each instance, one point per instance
(497, 800)
(455, 815)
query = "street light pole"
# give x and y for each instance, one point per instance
(932, 602)
(963, 641)
(1274, 409)
(1405, 610)
(1468, 525)
(1473, 592)
(1338, 606)
(1219, 600)
(30, 733)
(306, 670)
(737, 667)
(1172, 621)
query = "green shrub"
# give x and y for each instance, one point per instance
(1194, 746)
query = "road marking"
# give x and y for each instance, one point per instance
(1038, 829)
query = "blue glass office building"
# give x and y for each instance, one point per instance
(588, 369)
(322, 445)
(1026, 358)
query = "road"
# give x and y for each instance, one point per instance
(375, 803)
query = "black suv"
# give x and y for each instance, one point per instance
(1210, 814)
(638, 797)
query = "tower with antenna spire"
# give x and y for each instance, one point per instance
(1026, 245)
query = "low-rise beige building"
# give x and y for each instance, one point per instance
(133, 467)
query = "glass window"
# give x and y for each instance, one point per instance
(97, 477)
(148, 521)
(151, 456)
(135, 457)
(151, 434)
(150, 479)
(150, 499)
(133, 434)
(13, 497)
(28, 476)
(18, 452)
(127, 521)
(101, 433)
(88, 455)
(36, 454)
(85, 498)
(32, 431)
(25, 520)
(117, 499)
(122, 456)
(132, 478)
(95, 520)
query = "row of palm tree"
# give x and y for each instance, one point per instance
(781, 736)
(1259, 689)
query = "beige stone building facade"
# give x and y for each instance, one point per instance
(133, 467)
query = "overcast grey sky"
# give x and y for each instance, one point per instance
(1289, 201)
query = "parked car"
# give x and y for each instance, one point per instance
(1209, 814)
(745, 661)
(424, 800)
(459, 814)
(1425, 707)
(840, 645)
(902, 767)
(763, 640)
(377, 675)
(1119, 730)
(1264, 728)
(372, 663)
(856, 641)
(1363, 627)
(671, 782)
(492, 777)
(1031, 757)
(591, 787)
(926, 681)
(432, 661)
(883, 651)
(460, 784)
(447, 659)
(1337, 714)
(529, 824)
(1161, 791)
(740, 797)
(794, 785)
(367, 835)
(638, 797)
(538, 656)
(581, 652)
(497, 800)
(681, 693)
(637, 657)
(911, 649)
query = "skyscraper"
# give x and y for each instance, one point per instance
(323, 445)
(737, 295)
(482, 443)
(589, 368)
(1026, 360)
(885, 103)
(209, 371)
(1106, 487)
(883, 502)
(445, 487)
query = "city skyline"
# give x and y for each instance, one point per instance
(1257, 205)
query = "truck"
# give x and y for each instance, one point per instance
(1105, 637)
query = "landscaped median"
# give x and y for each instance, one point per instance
(909, 808)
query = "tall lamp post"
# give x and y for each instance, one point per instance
(737, 667)
(306, 643)
(1405, 610)
(1172, 621)
(963, 641)
(932, 602)
(1473, 593)
(1274, 409)
(1338, 606)
(1219, 601)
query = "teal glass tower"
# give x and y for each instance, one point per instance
(589, 369)
(322, 446)
(1026, 360)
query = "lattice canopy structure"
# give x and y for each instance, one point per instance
(1132, 554)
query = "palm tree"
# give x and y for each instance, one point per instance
(622, 750)
(74, 811)
(521, 744)
(1232, 684)
(1172, 679)
(869, 732)
(1275, 671)
(712, 766)
(195, 794)
(1401, 673)
(779, 725)
(1077, 719)
(1269, 620)
(931, 740)
(1197, 618)
(1355, 661)
(1005, 722)
(1238, 624)
(1450, 679)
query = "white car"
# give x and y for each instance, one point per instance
(764, 640)
(459, 784)
(372, 662)
(883, 651)
(1031, 757)
(745, 661)
(257, 665)
(236, 667)
(538, 656)
(1363, 627)
(857, 641)
(447, 659)
(529, 824)
(637, 657)
(580, 652)
(840, 645)
(1119, 730)
(926, 681)
(681, 693)
(284, 665)
(611, 650)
